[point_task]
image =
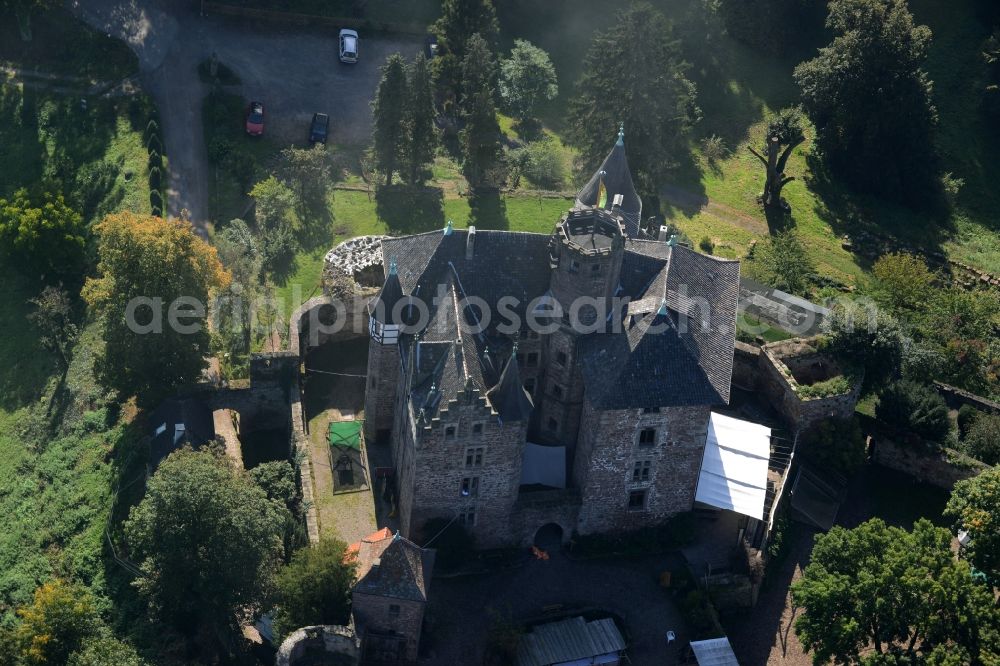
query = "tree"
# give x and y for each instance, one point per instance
(481, 153)
(991, 60)
(143, 257)
(22, 10)
(901, 592)
(982, 441)
(315, 587)
(232, 317)
(277, 480)
(868, 341)
(912, 407)
(784, 133)
(422, 137)
(105, 650)
(782, 262)
(61, 616)
(633, 72)
(307, 172)
(834, 444)
(901, 282)
(961, 324)
(527, 77)
(459, 20)
(389, 111)
(974, 506)
(42, 235)
(207, 540)
(274, 213)
(53, 317)
(771, 26)
(478, 71)
(870, 101)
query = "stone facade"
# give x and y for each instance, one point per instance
(391, 627)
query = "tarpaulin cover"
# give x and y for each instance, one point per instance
(544, 465)
(714, 652)
(734, 469)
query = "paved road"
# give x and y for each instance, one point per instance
(294, 71)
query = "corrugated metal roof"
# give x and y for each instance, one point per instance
(714, 652)
(569, 640)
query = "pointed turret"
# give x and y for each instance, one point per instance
(508, 397)
(381, 324)
(611, 187)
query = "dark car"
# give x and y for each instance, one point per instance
(255, 119)
(318, 129)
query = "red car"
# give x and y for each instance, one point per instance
(255, 119)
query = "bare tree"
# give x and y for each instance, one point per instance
(784, 133)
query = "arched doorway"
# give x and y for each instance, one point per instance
(549, 536)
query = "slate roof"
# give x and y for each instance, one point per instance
(677, 347)
(176, 422)
(390, 294)
(617, 180)
(390, 565)
(508, 397)
(680, 354)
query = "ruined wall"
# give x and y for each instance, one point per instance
(338, 644)
(609, 448)
(956, 398)
(938, 468)
(775, 380)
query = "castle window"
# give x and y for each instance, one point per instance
(574, 266)
(640, 471)
(474, 456)
(650, 410)
(449, 432)
(533, 360)
(637, 500)
(529, 385)
(647, 437)
(561, 358)
(557, 390)
(520, 360)
(470, 486)
(477, 428)
(553, 425)
(595, 268)
(393, 610)
(467, 517)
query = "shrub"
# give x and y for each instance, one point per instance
(543, 165)
(967, 415)
(836, 444)
(701, 617)
(706, 245)
(915, 408)
(154, 178)
(714, 148)
(983, 439)
(834, 386)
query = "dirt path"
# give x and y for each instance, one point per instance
(294, 72)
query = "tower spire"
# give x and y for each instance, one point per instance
(621, 134)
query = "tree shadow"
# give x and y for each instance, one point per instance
(410, 210)
(23, 149)
(488, 210)
(317, 222)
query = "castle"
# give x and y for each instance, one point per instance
(561, 382)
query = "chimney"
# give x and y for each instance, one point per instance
(470, 244)
(662, 236)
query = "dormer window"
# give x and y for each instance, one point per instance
(647, 437)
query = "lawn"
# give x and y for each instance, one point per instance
(739, 88)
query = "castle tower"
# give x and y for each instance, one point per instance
(611, 188)
(383, 358)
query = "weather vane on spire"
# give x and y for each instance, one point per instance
(621, 133)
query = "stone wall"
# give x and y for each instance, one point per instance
(380, 616)
(746, 366)
(939, 468)
(775, 380)
(956, 398)
(337, 644)
(608, 451)
(536, 509)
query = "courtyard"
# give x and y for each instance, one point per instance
(463, 610)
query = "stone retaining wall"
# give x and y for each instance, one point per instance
(940, 468)
(956, 398)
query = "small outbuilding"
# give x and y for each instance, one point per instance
(572, 642)
(714, 652)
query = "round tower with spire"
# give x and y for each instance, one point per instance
(384, 330)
